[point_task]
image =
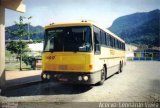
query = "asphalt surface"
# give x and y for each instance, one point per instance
(139, 82)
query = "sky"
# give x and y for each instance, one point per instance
(103, 12)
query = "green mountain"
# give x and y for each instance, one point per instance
(139, 28)
(38, 30)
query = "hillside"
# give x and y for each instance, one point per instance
(38, 30)
(139, 28)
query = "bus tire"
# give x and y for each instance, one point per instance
(121, 66)
(105, 67)
(103, 76)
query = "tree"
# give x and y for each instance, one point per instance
(20, 46)
(17, 47)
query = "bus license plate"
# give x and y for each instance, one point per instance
(63, 67)
(63, 79)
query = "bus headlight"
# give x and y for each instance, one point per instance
(85, 78)
(79, 78)
(48, 76)
(44, 76)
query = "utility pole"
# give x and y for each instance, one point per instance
(28, 28)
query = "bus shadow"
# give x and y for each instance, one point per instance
(106, 79)
(112, 75)
(46, 89)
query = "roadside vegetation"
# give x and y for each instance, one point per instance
(18, 55)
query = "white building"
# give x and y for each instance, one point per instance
(36, 49)
(130, 51)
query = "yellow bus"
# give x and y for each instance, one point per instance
(81, 53)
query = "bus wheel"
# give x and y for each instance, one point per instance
(121, 67)
(103, 76)
(105, 66)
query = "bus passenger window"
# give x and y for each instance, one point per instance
(103, 37)
(107, 40)
(97, 40)
(111, 41)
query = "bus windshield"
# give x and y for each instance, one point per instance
(74, 39)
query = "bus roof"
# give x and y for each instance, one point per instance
(82, 23)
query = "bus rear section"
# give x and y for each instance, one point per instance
(67, 55)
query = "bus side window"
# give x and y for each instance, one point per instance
(123, 46)
(116, 43)
(103, 38)
(97, 47)
(107, 40)
(111, 41)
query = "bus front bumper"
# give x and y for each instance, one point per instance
(72, 77)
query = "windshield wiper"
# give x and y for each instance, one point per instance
(75, 51)
(51, 50)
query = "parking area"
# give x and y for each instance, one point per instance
(139, 82)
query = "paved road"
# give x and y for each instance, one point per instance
(139, 82)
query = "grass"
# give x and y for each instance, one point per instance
(14, 65)
(11, 63)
